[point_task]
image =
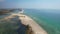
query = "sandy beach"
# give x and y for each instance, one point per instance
(28, 21)
(35, 27)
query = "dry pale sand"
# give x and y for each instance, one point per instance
(37, 29)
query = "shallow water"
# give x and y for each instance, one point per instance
(48, 19)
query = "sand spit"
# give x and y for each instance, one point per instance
(37, 29)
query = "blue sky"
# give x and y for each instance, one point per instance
(35, 4)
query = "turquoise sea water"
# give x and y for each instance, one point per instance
(47, 19)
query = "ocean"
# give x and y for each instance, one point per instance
(48, 19)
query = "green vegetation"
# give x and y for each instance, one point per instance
(11, 26)
(7, 27)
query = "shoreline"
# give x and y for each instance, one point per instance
(35, 27)
(26, 20)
